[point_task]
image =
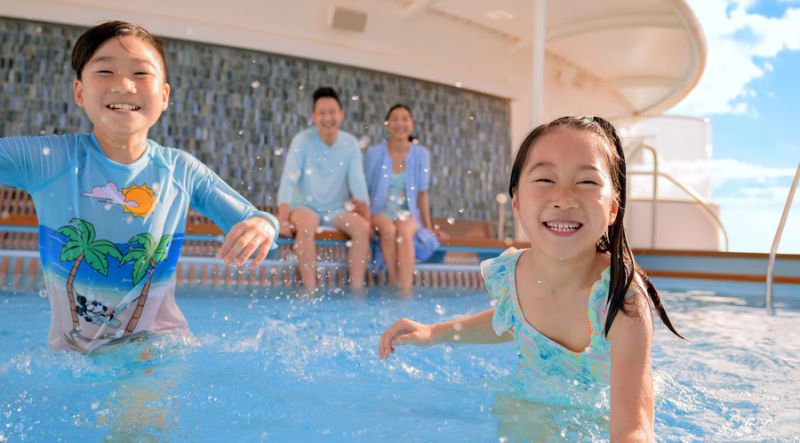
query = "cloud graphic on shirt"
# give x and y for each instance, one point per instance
(110, 193)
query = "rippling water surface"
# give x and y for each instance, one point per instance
(265, 365)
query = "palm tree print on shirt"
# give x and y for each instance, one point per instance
(145, 259)
(82, 247)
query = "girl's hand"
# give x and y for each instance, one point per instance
(402, 332)
(254, 234)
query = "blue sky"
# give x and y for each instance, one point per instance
(750, 91)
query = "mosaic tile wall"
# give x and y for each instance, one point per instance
(237, 111)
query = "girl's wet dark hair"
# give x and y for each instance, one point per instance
(91, 40)
(614, 242)
(401, 106)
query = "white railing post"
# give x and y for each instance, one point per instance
(777, 240)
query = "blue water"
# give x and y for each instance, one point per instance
(265, 365)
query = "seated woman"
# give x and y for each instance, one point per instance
(398, 174)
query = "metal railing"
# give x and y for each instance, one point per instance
(777, 240)
(655, 173)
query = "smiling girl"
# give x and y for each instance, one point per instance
(576, 303)
(112, 204)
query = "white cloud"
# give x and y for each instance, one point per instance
(726, 170)
(737, 42)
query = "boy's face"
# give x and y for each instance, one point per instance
(327, 116)
(122, 88)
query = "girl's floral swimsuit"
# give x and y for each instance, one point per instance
(543, 362)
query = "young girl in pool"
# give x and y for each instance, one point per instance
(576, 303)
(111, 204)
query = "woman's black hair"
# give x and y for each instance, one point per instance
(401, 106)
(92, 39)
(614, 242)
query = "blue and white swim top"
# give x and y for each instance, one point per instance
(110, 233)
(540, 357)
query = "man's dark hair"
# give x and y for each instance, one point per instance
(91, 40)
(325, 92)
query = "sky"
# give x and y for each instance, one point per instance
(750, 91)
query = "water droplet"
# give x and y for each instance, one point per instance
(459, 84)
(451, 221)
(457, 326)
(349, 206)
(348, 243)
(300, 87)
(45, 151)
(439, 310)
(278, 152)
(508, 241)
(309, 171)
(95, 405)
(354, 98)
(456, 337)
(460, 210)
(256, 84)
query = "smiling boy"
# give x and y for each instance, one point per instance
(112, 204)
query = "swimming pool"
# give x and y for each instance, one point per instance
(265, 365)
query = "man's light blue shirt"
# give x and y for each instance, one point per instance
(322, 177)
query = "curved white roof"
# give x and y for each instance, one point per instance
(617, 58)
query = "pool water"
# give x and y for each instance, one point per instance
(266, 365)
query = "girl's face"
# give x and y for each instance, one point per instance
(565, 199)
(122, 88)
(400, 124)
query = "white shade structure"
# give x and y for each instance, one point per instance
(615, 58)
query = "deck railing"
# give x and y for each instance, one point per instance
(656, 173)
(777, 239)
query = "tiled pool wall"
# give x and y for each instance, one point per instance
(237, 110)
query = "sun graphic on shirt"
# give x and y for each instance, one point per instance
(143, 197)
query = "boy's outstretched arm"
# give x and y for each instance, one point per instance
(254, 235)
(476, 328)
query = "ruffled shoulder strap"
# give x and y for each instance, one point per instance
(498, 277)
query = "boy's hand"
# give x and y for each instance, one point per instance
(402, 332)
(254, 234)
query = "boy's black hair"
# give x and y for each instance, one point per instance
(614, 242)
(325, 92)
(92, 39)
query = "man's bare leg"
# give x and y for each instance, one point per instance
(305, 223)
(357, 228)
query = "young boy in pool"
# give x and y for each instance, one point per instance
(112, 204)
(560, 300)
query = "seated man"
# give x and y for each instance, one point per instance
(323, 183)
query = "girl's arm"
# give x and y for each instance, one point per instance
(425, 210)
(476, 328)
(631, 339)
